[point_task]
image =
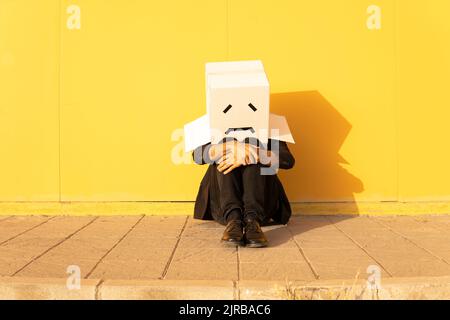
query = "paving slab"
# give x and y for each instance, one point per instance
(203, 271)
(279, 237)
(203, 233)
(156, 227)
(84, 250)
(331, 253)
(438, 222)
(276, 271)
(12, 227)
(145, 252)
(422, 234)
(193, 261)
(396, 255)
(205, 255)
(24, 249)
(270, 255)
(203, 224)
(136, 259)
(193, 243)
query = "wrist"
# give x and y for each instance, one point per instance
(215, 151)
(212, 151)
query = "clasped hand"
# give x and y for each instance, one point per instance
(233, 154)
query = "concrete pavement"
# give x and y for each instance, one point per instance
(176, 257)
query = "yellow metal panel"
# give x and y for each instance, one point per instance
(134, 72)
(29, 39)
(131, 75)
(334, 80)
(424, 99)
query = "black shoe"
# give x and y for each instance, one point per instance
(233, 233)
(254, 236)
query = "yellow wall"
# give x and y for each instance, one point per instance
(131, 75)
(29, 93)
(88, 114)
(334, 80)
(424, 100)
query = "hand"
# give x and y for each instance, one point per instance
(216, 151)
(237, 154)
(226, 167)
(251, 154)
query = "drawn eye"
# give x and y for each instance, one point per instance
(227, 108)
(253, 107)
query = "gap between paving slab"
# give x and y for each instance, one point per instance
(423, 288)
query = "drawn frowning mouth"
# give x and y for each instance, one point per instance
(240, 129)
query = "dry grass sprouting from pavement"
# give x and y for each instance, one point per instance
(354, 291)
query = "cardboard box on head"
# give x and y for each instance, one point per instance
(237, 99)
(239, 106)
(215, 68)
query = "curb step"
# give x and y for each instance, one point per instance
(422, 288)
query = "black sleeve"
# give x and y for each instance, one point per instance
(286, 159)
(201, 155)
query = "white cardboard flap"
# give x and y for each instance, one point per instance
(280, 124)
(197, 133)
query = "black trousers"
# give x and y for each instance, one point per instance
(242, 190)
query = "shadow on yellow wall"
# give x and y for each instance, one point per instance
(319, 130)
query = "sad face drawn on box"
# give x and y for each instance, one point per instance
(237, 104)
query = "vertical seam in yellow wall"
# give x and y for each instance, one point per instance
(59, 93)
(228, 10)
(396, 98)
